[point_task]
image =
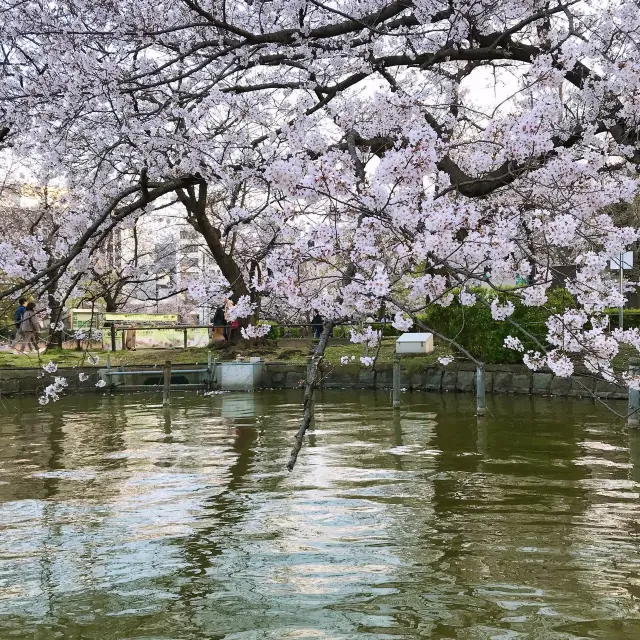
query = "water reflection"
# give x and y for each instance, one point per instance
(123, 519)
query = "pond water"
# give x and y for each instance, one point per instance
(120, 520)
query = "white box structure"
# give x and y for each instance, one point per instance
(415, 343)
(240, 376)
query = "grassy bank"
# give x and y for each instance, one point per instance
(295, 351)
(285, 350)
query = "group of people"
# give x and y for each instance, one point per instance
(27, 326)
(223, 327)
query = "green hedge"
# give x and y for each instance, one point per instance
(481, 335)
(630, 319)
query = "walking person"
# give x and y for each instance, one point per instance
(130, 339)
(17, 317)
(29, 328)
(231, 325)
(219, 322)
(317, 323)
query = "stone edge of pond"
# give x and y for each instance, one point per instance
(456, 378)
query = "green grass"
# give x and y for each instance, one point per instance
(294, 351)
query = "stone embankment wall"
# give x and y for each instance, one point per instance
(499, 379)
(459, 377)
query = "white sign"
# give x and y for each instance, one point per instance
(627, 261)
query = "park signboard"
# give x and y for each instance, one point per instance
(141, 318)
(148, 338)
(84, 319)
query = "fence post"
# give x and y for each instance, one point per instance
(185, 337)
(209, 371)
(633, 414)
(108, 377)
(396, 381)
(166, 391)
(113, 337)
(481, 407)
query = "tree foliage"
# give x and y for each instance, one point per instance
(396, 152)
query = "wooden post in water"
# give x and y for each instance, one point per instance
(210, 370)
(185, 338)
(633, 414)
(481, 407)
(166, 391)
(396, 381)
(109, 378)
(113, 336)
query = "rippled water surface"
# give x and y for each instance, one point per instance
(121, 520)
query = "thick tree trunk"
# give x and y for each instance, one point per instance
(309, 390)
(111, 304)
(196, 208)
(56, 313)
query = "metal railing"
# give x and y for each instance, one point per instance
(340, 331)
(166, 372)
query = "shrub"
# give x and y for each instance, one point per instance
(475, 329)
(630, 319)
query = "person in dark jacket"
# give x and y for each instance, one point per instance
(218, 323)
(317, 323)
(22, 307)
(17, 318)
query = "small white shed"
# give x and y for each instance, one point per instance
(415, 343)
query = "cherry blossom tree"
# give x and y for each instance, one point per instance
(413, 146)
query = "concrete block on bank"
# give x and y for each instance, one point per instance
(560, 386)
(338, 378)
(366, 379)
(8, 383)
(294, 380)
(488, 382)
(384, 379)
(605, 389)
(239, 376)
(582, 386)
(502, 382)
(417, 381)
(28, 380)
(275, 379)
(434, 379)
(466, 381)
(541, 383)
(521, 383)
(450, 380)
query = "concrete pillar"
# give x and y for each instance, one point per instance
(633, 413)
(396, 381)
(210, 371)
(166, 390)
(481, 407)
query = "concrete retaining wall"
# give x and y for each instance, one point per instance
(499, 379)
(515, 379)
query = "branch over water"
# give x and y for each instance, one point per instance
(309, 389)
